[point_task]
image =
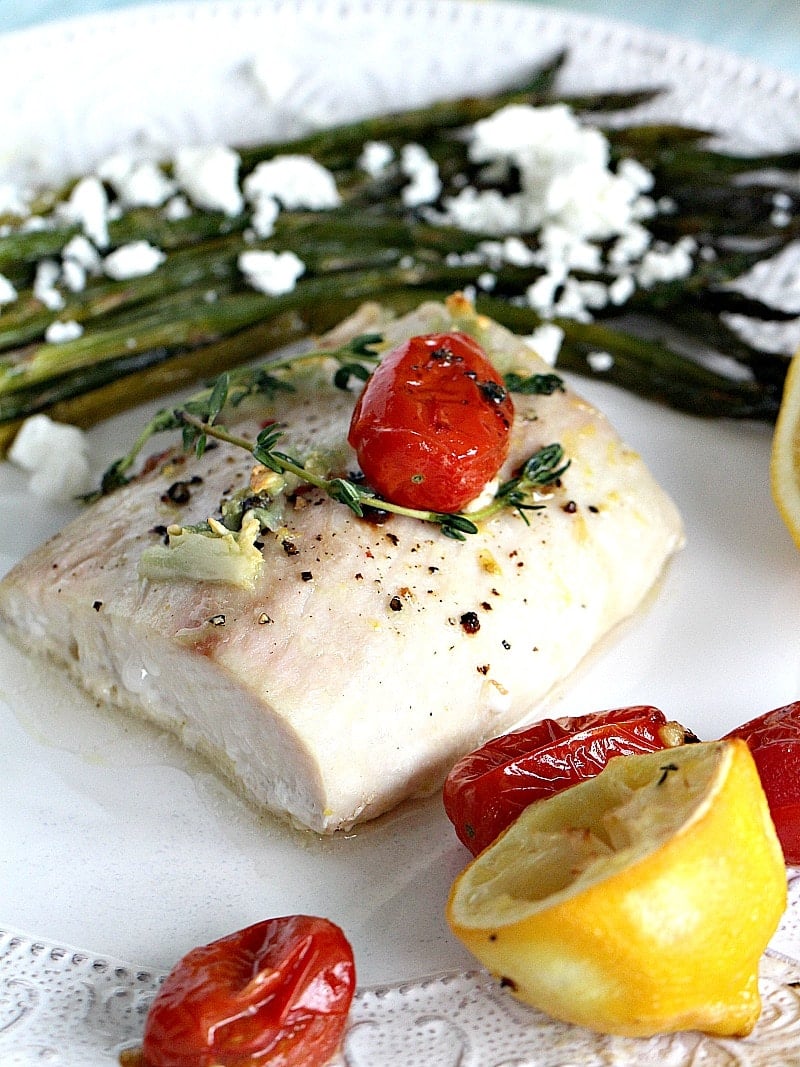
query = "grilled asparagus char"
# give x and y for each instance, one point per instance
(362, 657)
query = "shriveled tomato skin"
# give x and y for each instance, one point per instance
(276, 993)
(489, 788)
(774, 740)
(431, 426)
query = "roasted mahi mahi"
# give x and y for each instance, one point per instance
(359, 660)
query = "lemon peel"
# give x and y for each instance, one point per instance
(635, 903)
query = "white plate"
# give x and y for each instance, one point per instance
(113, 839)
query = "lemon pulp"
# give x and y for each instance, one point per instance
(638, 902)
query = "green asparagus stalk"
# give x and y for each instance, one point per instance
(195, 316)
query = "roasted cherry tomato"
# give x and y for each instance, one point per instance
(774, 740)
(489, 788)
(432, 424)
(276, 993)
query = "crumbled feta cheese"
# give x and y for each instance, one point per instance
(630, 246)
(60, 331)
(87, 206)
(177, 208)
(82, 251)
(486, 281)
(8, 294)
(666, 264)
(133, 260)
(424, 185)
(562, 247)
(270, 272)
(621, 289)
(12, 200)
(79, 258)
(44, 285)
(210, 178)
(137, 183)
(600, 361)
(376, 158)
(55, 455)
(73, 276)
(296, 181)
(265, 212)
(546, 342)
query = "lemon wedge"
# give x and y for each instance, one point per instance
(635, 903)
(785, 458)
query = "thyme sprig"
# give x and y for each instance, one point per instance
(233, 387)
(197, 421)
(543, 468)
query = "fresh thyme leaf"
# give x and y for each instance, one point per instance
(347, 493)
(365, 343)
(545, 466)
(456, 526)
(534, 384)
(341, 378)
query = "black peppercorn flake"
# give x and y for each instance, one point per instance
(470, 623)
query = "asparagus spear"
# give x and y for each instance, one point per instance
(356, 252)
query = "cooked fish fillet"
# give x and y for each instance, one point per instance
(365, 658)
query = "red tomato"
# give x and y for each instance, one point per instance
(774, 740)
(432, 424)
(489, 788)
(277, 992)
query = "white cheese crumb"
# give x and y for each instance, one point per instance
(600, 361)
(44, 285)
(137, 183)
(79, 258)
(376, 158)
(55, 455)
(12, 200)
(88, 207)
(665, 264)
(265, 212)
(425, 184)
(546, 341)
(8, 294)
(133, 260)
(296, 181)
(60, 331)
(82, 251)
(270, 272)
(621, 289)
(210, 178)
(177, 208)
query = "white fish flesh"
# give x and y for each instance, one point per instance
(364, 659)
